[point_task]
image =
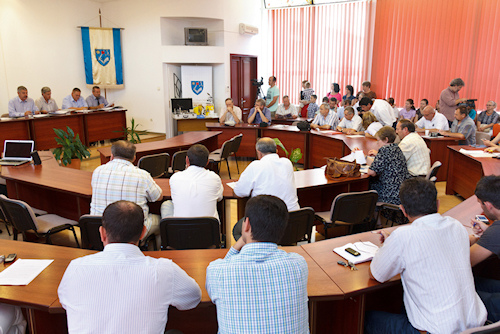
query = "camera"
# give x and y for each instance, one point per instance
(257, 83)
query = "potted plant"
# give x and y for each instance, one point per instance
(295, 156)
(72, 151)
(133, 133)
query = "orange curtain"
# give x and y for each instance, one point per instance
(322, 44)
(421, 45)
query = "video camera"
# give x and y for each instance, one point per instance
(257, 83)
(469, 103)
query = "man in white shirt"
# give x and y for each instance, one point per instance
(269, 175)
(45, 103)
(230, 113)
(22, 105)
(196, 190)
(119, 290)
(380, 108)
(75, 100)
(286, 110)
(326, 119)
(432, 256)
(350, 123)
(416, 152)
(432, 121)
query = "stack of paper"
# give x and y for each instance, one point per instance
(355, 136)
(365, 249)
(359, 156)
(476, 153)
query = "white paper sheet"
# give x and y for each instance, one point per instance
(355, 136)
(22, 272)
(40, 115)
(61, 112)
(476, 153)
(231, 184)
(366, 250)
(358, 156)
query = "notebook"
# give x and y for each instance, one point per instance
(17, 152)
(366, 251)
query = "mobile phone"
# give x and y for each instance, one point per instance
(10, 258)
(482, 219)
(352, 251)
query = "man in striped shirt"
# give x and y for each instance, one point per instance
(258, 288)
(326, 119)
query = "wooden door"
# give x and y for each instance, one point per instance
(243, 93)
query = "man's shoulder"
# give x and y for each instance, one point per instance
(14, 99)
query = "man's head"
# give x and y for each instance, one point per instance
(332, 103)
(272, 81)
(491, 105)
(418, 197)
(266, 219)
(346, 103)
(428, 113)
(423, 104)
(460, 113)
(76, 94)
(260, 103)
(265, 146)
(324, 109)
(46, 93)
(96, 91)
(366, 86)
(314, 98)
(349, 113)
(229, 103)
(391, 101)
(124, 150)
(286, 101)
(122, 222)
(22, 92)
(456, 84)
(197, 155)
(326, 100)
(488, 195)
(404, 128)
(365, 103)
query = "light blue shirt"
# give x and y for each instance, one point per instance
(271, 93)
(17, 107)
(260, 289)
(69, 102)
(258, 119)
(330, 119)
(92, 101)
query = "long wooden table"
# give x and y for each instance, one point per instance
(94, 126)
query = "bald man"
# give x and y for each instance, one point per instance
(432, 121)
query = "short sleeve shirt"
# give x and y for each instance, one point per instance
(467, 128)
(483, 118)
(271, 93)
(490, 238)
(312, 110)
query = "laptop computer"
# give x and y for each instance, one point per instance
(16, 152)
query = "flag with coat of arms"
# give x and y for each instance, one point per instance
(102, 55)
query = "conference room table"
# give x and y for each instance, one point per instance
(91, 127)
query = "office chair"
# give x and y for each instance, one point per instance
(189, 233)
(299, 227)
(223, 153)
(431, 175)
(89, 228)
(235, 147)
(155, 164)
(178, 162)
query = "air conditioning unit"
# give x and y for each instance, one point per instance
(246, 29)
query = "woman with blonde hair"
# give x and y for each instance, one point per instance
(370, 125)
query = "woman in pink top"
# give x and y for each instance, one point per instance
(408, 112)
(335, 92)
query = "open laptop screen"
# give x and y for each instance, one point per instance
(18, 149)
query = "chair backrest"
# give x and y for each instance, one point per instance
(89, 228)
(482, 135)
(236, 143)
(433, 171)
(488, 329)
(179, 161)
(496, 130)
(155, 164)
(189, 233)
(19, 214)
(300, 223)
(226, 149)
(354, 208)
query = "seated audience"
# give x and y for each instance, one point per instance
(370, 124)
(485, 242)
(286, 109)
(96, 100)
(230, 112)
(312, 107)
(350, 123)
(332, 103)
(463, 128)
(45, 103)
(22, 105)
(394, 108)
(432, 256)
(367, 91)
(260, 113)
(380, 108)
(340, 110)
(423, 103)
(119, 180)
(432, 121)
(471, 109)
(408, 112)
(438, 108)
(258, 288)
(325, 100)
(120, 290)
(487, 118)
(335, 92)
(196, 190)
(389, 166)
(74, 101)
(349, 93)
(416, 152)
(325, 119)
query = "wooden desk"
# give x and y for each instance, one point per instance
(291, 137)
(101, 125)
(250, 134)
(465, 171)
(192, 124)
(439, 152)
(287, 121)
(170, 145)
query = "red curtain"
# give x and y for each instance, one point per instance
(322, 44)
(421, 45)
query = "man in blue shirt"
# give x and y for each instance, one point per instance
(22, 105)
(259, 113)
(258, 288)
(74, 101)
(273, 95)
(96, 100)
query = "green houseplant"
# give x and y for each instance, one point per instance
(132, 133)
(72, 147)
(294, 157)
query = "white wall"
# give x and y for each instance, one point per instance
(41, 46)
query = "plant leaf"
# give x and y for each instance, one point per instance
(296, 155)
(280, 145)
